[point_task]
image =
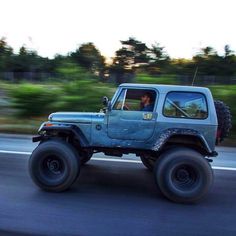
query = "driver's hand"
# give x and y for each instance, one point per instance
(126, 107)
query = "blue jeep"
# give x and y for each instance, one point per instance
(173, 129)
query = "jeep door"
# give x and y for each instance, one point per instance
(128, 120)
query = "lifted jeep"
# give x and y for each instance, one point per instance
(173, 129)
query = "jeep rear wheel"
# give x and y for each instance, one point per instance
(183, 175)
(54, 165)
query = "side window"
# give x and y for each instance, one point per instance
(136, 100)
(185, 105)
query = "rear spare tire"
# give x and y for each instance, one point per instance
(224, 120)
(54, 165)
(183, 175)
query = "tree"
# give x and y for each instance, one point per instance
(228, 63)
(23, 51)
(89, 57)
(207, 52)
(132, 55)
(228, 51)
(159, 59)
(27, 61)
(5, 49)
(158, 53)
(6, 53)
(207, 61)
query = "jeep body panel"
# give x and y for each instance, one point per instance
(131, 129)
(83, 120)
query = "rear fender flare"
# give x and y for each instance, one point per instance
(168, 133)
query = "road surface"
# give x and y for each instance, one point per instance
(112, 197)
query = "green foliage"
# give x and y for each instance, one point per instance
(148, 79)
(83, 95)
(81, 90)
(89, 57)
(33, 100)
(70, 71)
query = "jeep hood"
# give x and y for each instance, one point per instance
(75, 117)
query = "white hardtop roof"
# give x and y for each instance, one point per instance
(166, 88)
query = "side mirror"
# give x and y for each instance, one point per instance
(105, 101)
(107, 104)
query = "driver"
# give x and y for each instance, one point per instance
(147, 102)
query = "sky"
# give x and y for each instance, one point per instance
(60, 26)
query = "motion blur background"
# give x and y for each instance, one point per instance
(65, 55)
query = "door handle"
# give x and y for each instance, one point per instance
(147, 116)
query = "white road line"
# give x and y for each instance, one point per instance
(15, 152)
(114, 160)
(223, 168)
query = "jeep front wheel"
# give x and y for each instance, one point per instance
(54, 165)
(85, 156)
(148, 162)
(183, 175)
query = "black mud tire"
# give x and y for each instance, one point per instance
(224, 120)
(183, 175)
(85, 157)
(54, 165)
(148, 162)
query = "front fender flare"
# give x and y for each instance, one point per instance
(75, 130)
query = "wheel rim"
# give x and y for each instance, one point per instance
(185, 177)
(52, 167)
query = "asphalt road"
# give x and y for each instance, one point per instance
(112, 197)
